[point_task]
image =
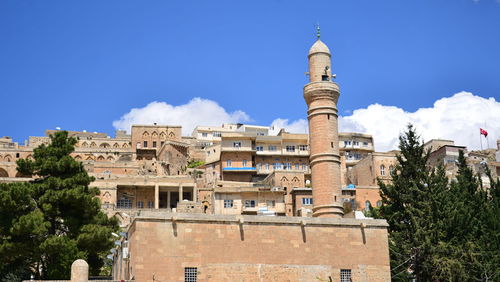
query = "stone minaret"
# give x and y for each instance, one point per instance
(321, 95)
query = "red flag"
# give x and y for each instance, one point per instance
(483, 132)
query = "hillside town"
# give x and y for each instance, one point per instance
(233, 202)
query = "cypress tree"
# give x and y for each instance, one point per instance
(53, 220)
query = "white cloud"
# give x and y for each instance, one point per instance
(298, 126)
(457, 118)
(196, 112)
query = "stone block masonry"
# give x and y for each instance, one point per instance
(256, 248)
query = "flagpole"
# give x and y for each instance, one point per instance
(480, 141)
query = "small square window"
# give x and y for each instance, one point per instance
(204, 134)
(259, 148)
(249, 203)
(190, 274)
(145, 144)
(228, 204)
(154, 144)
(307, 201)
(140, 204)
(345, 275)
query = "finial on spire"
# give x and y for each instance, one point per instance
(318, 32)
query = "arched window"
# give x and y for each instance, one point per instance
(78, 158)
(379, 204)
(3, 173)
(85, 145)
(154, 134)
(7, 158)
(382, 170)
(104, 145)
(367, 205)
(171, 135)
(90, 158)
(125, 145)
(163, 135)
(110, 158)
(145, 134)
(116, 145)
(93, 145)
(100, 158)
(391, 169)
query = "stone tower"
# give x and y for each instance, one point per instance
(321, 95)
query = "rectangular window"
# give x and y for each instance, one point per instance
(271, 204)
(228, 204)
(228, 163)
(297, 167)
(290, 148)
(272, 148)
(151, 204)
(244, 163)
(124, 203)
(347, 143)
(260, 134)
(154, 144)
(267, 166)
(249, 203)
(303, 147)
(276, 166)
(307, 201)
(304, 167)
(145, 144)
(355, 143)
(204, 134)
(259, 148)
(217, 134)
(190, 274)
(365, 144)
(237, 144)
(345, 275)
(287, 166)
(140, 204)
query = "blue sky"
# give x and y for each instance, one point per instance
(84, 64)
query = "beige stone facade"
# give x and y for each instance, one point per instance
(170, 247)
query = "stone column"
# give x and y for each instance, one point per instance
(195, 194)
(157, 196)
(79, 271)
(168, 199)
(181, 198)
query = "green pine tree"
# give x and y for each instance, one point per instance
(53, 220)
(440, 231)
(411, 205)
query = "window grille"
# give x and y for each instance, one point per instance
(124, 203)
(140, 204)
(307, 201)
(228, 204)
(190, 274)
(249, 203)
(345, 275)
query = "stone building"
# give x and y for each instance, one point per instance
(228, 246)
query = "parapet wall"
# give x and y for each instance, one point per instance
(256, 248)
